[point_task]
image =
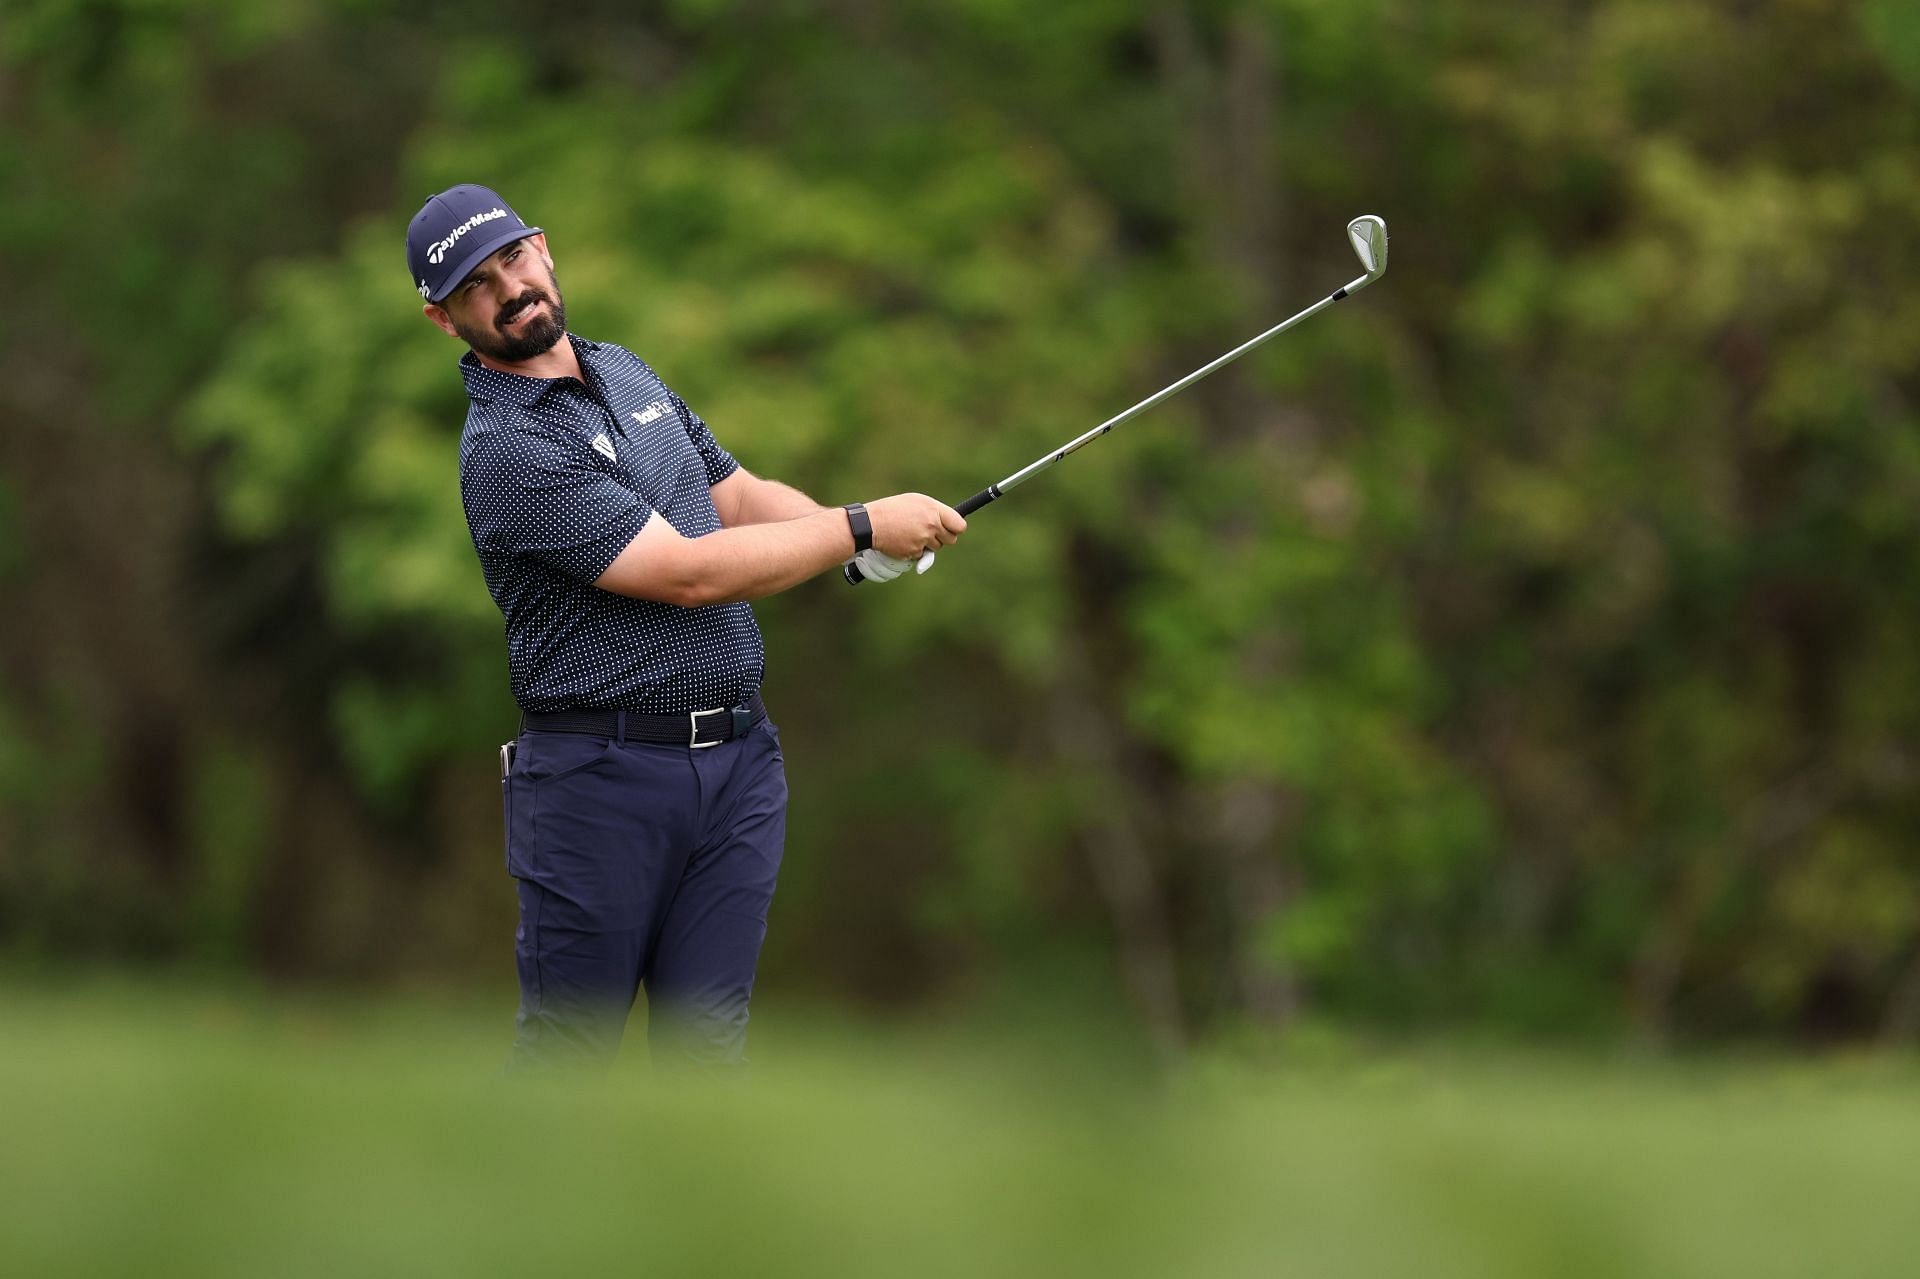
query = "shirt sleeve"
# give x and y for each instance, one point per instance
(528, 495)
(718, 461)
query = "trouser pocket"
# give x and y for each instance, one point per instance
(506, 802)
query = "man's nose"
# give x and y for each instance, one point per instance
(506, 292)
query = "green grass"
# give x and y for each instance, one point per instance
(159, 1132)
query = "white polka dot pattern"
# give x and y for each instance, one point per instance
(556, 478)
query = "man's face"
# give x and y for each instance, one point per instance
(509, 307)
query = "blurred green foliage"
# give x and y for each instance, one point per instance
(1531, 643)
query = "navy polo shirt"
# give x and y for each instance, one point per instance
(556, 478)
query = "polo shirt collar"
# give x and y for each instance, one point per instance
(518, 389)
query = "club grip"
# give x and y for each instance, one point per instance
(852, 573)
(978, 500)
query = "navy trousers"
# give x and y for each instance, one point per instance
(641, 865)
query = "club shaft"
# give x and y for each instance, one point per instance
(1040, 464)
(1021, 476)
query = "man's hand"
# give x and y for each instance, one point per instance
(878, 566)
(909, 523)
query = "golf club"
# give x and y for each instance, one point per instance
(1369, 236)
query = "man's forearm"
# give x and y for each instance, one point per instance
(744, 498)
(770, 501)
(764, 558)
(731, 564)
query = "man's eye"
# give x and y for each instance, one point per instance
(511, 256)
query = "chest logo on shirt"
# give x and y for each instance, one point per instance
(652, 413)
(604, 447)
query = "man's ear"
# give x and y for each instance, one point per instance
(438, 314)
(546, 255)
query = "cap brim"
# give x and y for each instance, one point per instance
(480, 253)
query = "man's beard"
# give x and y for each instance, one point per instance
(540, 335)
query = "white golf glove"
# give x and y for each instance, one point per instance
(878, 566)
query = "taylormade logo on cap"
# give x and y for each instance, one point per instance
(454, 232)
(439, 250)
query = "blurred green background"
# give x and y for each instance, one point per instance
(1527, 651)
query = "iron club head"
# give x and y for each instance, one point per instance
(1369, 236)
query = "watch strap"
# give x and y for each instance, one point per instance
(861, 525)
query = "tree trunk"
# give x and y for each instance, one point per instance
(1118, 849)
(1226, 160)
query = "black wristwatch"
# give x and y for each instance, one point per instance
(862, 527)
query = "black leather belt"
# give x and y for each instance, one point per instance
(695, 730)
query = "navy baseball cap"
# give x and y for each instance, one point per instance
(454, 232)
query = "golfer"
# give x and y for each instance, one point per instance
(645, 795)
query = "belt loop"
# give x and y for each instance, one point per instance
(620, 727)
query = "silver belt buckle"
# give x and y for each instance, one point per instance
(693, 720)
